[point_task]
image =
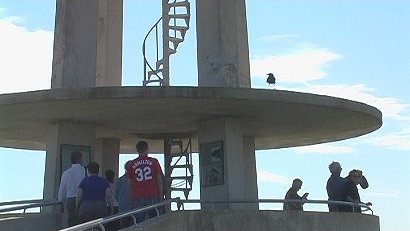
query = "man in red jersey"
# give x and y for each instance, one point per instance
(145, 174)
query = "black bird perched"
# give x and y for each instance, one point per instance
(271, 79)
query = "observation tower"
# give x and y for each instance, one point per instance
(223, 118)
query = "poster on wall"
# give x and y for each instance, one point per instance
(212, 163)
(67, 149)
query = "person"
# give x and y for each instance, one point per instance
(110, 177)
(92, 195)
(355, 177)
(292, 194)
(145, 174)
(335, 186)
(123, 196)
(70, 180)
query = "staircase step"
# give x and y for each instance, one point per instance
(186, 166)
(182, 166)
(178, 154)
(179, 28)
(182, 177)
(176, 40)
(152, 81)
(181, 189)
(190, 179)
(179, 16)
(171, 51)
(159, 63)
(179, 4)
(154, 72)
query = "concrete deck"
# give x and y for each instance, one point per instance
(275, 118)
(243, 220)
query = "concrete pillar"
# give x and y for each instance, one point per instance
(222, 44)
(107, 153)
(109, 43)
(223, 61)
(87, 43)
(239, 167)
(68, 133)
(87, 53)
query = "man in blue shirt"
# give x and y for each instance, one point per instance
(92, 196)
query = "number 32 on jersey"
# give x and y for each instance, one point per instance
(142, 174)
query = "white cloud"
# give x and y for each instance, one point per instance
(266, 176)
(390, 107)
(387, 193)
(398, 141)
(324, 148)
(299, 67)
(278, 37)
(25, 57)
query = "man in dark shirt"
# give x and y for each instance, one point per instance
(335, 186)
(352, 193)
(292, 193)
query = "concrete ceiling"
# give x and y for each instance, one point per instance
(275, 118)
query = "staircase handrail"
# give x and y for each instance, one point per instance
(29, 204)
(101, 221)
(146, 63)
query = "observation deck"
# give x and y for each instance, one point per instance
(275, 118)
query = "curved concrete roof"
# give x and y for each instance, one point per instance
(275, 118)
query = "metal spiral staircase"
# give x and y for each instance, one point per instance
(174, 24)
(171, 28)
(178, 166)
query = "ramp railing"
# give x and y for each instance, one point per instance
(28, 204)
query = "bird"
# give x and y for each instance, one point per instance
(271, 79)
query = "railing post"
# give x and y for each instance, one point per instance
(165, 45)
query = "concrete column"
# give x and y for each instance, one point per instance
(107, 153)
(87, 43)
(239, 167)
(109, 43)
(222, 44)
(63, 133)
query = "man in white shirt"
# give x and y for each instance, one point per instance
(70, 180)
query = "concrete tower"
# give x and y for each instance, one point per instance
(227, 120)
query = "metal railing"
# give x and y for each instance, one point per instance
(180, 203)
(103, 221)
(145, 59)
(167, 203)
(28, 204)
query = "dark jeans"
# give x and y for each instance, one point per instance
(69, 204)
(91, 210)
(145, 201)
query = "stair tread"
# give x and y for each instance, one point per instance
(183, 3)
(181, 177)
(183, 16)
(179, 27)
(181, 189)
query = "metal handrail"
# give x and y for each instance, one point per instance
(146, 63)
(5, 203)
(29, 204)
(101, 221)
(180, 203)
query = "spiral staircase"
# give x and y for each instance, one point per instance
(171, 28)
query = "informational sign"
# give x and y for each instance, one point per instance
(67, 149)
(212, 163)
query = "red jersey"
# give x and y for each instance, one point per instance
(143, 173)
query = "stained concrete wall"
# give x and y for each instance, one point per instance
(261, 221)
(30, 222)
(221, 220)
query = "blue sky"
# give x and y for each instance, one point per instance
(351, 49)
